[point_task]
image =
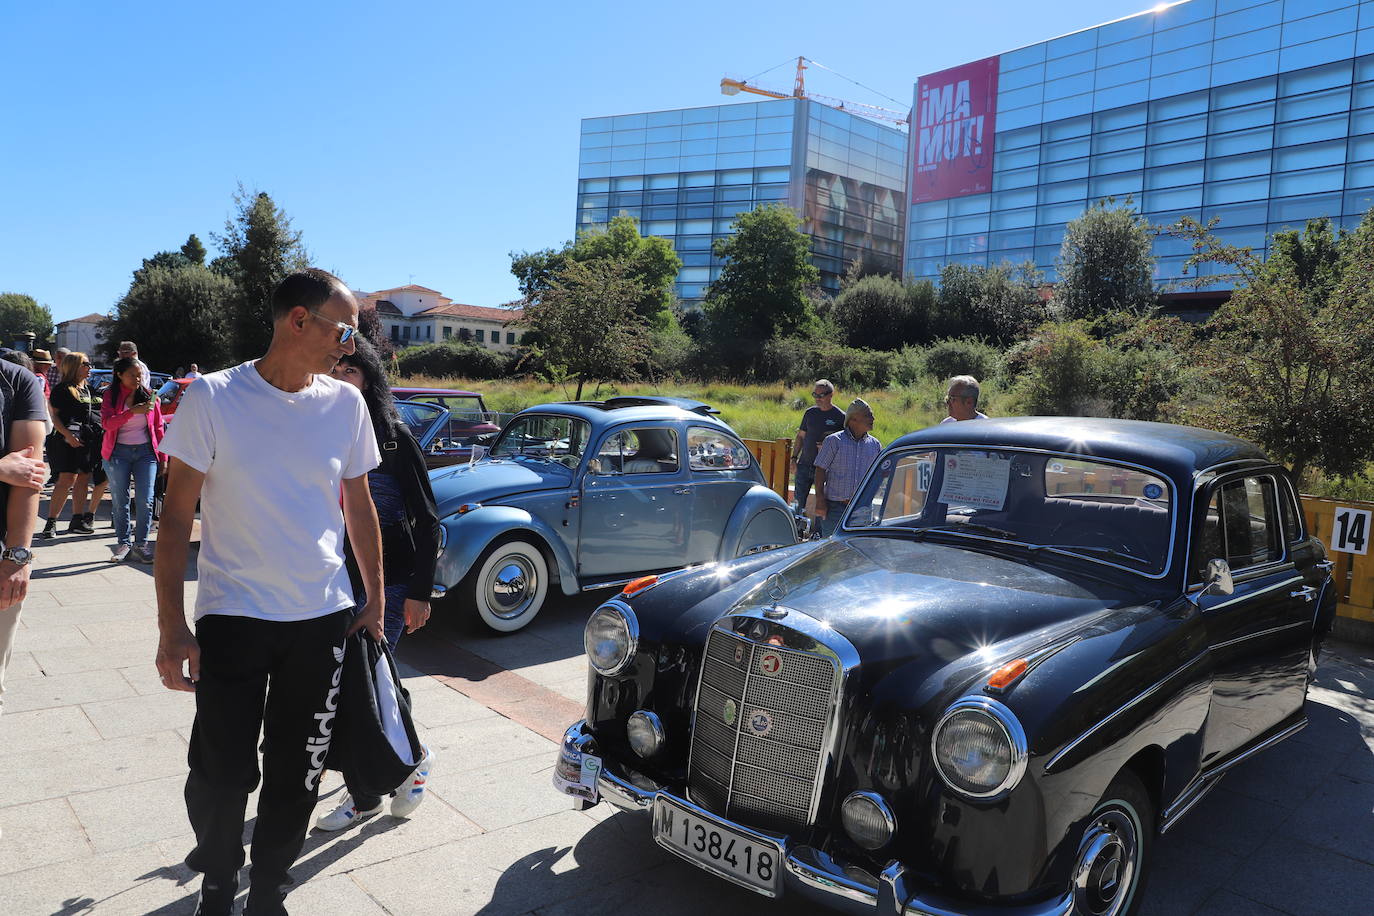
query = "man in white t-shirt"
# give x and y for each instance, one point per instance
(267, 447)
(961, 400)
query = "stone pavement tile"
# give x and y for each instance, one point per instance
(1229, 821)
(331, 896)
(515, 654)
(575, 690)
(484, 742)
(144, 677)
(559, 671)
(548, 713)
(39, 834)
(1359, 764)
(500, 796)
(1183, 874)
(378, 838)
(90, 658)
(65, 690)
(1268, 776)
(112, 607)
(35, 775)
(1227, 903)
(434, 708)
(1304, 880)
(22, 664)
(1334, 729)
(509, 871)
(78, 597)
(1338, 817)
(38, 599)
(33, 637)
(45, 730)
(676, 888)
(141, 630)
(130, 882)
(133, 815)
(142, 715)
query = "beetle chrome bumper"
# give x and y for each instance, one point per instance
(809, 872)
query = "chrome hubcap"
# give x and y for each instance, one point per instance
(1107, 859)
(511, 587)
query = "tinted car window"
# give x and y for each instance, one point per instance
(1117, 514)
(712, 450)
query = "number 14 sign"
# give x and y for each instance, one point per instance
(1350, 531)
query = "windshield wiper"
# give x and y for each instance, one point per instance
(1099, 551)
(973, 527)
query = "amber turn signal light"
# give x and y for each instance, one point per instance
(635, 586)
(1007, 675)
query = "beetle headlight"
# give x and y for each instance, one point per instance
(979, 748)
(611, 637)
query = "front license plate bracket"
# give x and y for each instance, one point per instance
(740, 856)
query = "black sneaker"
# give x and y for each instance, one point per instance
(216, 898)
(49, 530)
(79, 525)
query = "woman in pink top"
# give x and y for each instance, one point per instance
(133, 424)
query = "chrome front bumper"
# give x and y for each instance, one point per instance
(809, 872)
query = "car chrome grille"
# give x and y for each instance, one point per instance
(771, 777)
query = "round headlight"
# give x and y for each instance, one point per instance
(868, 820)
(610, 638)
(645, 732)
(979, 747)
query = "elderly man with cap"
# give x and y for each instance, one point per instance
(842, 462)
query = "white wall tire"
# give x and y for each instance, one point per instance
(1114, 853)
(508, 585)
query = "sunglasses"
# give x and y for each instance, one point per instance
(820, 394)
(346, 331)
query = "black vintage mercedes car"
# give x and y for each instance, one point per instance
(1030, 648)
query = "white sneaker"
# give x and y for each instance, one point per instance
(346, 815)
(121, 553)
(411, 792)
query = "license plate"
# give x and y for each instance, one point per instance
(748, 860)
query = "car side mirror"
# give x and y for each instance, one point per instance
(1218, 579)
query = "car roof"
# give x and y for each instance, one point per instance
(1179, 451)
(618, 410)
(406, 392)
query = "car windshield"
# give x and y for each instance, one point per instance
(417, 417)
(561, 439)
(1103, 511)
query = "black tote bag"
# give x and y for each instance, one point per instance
(374, 743)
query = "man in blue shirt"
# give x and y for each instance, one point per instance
(842, 462)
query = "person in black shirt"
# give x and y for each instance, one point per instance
(410, 548)
(70, 445)
(816, 423)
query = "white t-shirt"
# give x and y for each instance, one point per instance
(272, 525)
(978, 415)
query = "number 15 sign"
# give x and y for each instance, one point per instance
(1350, 531)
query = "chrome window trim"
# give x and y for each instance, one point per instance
(1072, 456)
(1221, 479)
(751, 624)
(631, 627)
(1143, 695)
(1011, 727)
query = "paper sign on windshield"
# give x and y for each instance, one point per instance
(975, 480)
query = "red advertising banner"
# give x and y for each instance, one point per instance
(955, 120)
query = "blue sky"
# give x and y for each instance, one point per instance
(409, 141)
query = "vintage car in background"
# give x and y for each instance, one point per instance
(1030, 648)
(466, 422)
(590, 494)
(171, 393)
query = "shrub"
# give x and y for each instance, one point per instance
(961, 356)
(451, 358)
(801, 360)
(1064, 366)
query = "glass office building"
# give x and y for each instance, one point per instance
(686, 174)
(1260, 114)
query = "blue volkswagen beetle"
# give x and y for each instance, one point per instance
(591, 494)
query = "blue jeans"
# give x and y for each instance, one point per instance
(834, 508)
(801, 484)
(140, 463)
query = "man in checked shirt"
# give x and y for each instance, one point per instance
(842, 462)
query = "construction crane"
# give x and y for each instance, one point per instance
(730, 86)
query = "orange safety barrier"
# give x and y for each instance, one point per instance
(1354, 573)
(774, 458)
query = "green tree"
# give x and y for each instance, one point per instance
(882, 312)
(648, 260)
(177, 315)
(586, 325)
(1106, 263)
(260, 248)
(20, 313)
(761, 293)
(1290, 358)
(193, 250)
(1000, 303)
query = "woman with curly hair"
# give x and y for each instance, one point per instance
(410, 541)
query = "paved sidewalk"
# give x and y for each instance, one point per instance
(93, 751)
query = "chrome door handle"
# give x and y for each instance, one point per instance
(1306, 593)
(1325, 565)
(682, 491)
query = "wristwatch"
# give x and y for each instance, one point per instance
(21, 556)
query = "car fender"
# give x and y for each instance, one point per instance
(760, 517)
(466, 536)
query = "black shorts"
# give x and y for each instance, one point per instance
(63, 459)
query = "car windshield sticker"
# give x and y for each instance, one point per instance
(925, 473)
(975, 480)
(1153, 491)
(760, 723)
(770, 663)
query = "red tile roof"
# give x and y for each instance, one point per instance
(458, 310)
(409, 287)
